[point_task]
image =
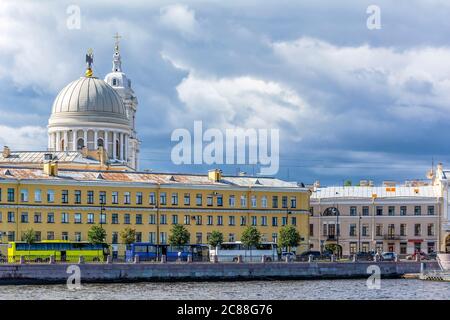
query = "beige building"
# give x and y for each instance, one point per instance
(395, 218)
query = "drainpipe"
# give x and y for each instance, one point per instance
(157, 212)
(16, 203)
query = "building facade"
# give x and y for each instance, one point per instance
(401, 219)
(442, 179)
(64, 204)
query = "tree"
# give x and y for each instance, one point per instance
(347, 183)
(251, 237)
(289, 237)
(96, 235)
(179, 236)
(216, 238)
(128, 236)
(29, 236)
(336, 249)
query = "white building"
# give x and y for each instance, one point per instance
(92, 113)
(442, 179)
(402, 219)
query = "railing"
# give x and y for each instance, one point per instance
(50, 259)
(392, 237)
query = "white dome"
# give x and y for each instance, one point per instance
(88, 99)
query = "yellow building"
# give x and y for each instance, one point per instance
(89, 176)
(66, 203)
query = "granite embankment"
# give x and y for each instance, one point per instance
(129, 272)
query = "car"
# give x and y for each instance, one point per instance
(432, 256)
(291, 255)
(317, 255)
(304, 256)
(364, 256)
(423, 256)
(388, 256)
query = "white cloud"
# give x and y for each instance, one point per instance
(181, 19)
(416, 78)
(244, 101)
(23, 138)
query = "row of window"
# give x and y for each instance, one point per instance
(330, 230)
(390, 247)
(391, 211)
(126, 198)
(163, 237)
(152, 219)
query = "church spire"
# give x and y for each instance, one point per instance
(117, 64)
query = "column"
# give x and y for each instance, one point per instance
(95, 139)
(105, 134)
(85, 138)
(126, 148)
(114, 145)
(74, 140)
(121, 145)
(58, 141)
(66, 141)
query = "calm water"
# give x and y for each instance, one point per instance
(313, 289)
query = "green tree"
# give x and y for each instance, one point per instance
(29, 236)
(179, 236)
(289, 237)
(216, 238)
(251, 237)
(347, 183)
(96, 235)
(333, 248)
(128, 236)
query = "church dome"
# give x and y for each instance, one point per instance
(88, 99)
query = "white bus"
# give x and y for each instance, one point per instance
(229, 252)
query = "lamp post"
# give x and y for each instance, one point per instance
(359, 232)
(337, 234)
(288, 212)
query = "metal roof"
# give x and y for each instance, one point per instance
(22, 173)
(38, 156)
(378, 192)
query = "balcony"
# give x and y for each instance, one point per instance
(392, 237)
(331, 237)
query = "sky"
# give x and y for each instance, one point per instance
(349, 102)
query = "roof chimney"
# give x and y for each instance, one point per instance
(215, 175)
(51, 168)
(6, 152)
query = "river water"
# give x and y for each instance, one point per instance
(258, 290)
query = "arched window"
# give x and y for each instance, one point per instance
(80, 143)
(331, 211)
(100, 142)
(114, 82)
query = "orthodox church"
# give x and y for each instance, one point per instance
(92, 124)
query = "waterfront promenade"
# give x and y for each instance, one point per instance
(185, 271)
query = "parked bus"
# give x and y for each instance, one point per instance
(60, 249)
(153, 252)
(229, 252)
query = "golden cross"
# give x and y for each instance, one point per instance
(117, 37)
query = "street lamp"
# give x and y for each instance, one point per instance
(335, 211)
(359, 232)
(288, 212)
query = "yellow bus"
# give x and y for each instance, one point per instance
(65, 251)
